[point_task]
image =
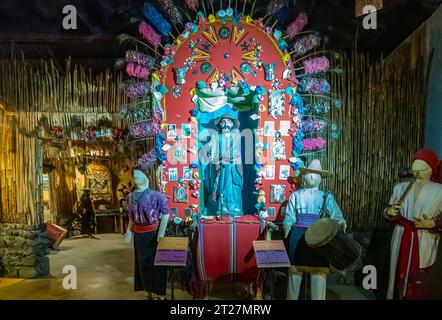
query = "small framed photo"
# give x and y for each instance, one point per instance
(277, 193)
(284, 172)
(187, 212)
(179, 153)
(187, 173)
(180, 194)
(186, 130)
(271, 212)
(174, 211)
(173, 174)
(269, 128)
(171, 131)
(278, 150)
(269, 172)
(284, 127)
(276, 103)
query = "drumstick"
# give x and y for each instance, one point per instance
(406, 192)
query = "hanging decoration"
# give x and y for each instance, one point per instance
(156, 19)
(144, 129)
(174, 14)
(137, 71)
(149, 34)
(316, 65)
(296, 26)
(57, 136)
(138, 89)
(275, 6)
(314, 85)
(140, 58)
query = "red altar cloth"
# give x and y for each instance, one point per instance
(225, 249)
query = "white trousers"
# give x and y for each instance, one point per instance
(318, 286)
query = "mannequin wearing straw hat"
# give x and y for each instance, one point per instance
(305, 207)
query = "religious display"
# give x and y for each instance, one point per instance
(204, 139)
(241, 110)
(99, 181)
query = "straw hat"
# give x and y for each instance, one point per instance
(227, 116)
(315, 167)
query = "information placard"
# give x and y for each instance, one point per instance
(271, 254)
(172, 251)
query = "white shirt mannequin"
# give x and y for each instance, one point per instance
(422, 172)
(311, 181)
(422, 206)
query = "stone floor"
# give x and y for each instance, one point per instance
(104, 272)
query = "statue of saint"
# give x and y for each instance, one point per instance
(224, 181)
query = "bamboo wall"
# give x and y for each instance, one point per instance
(381, 122)
(21, 169)
(37, 99)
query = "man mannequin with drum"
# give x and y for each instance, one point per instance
(415, 208)
(306, 206)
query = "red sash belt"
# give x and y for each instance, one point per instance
(144, 229)
(408, 259)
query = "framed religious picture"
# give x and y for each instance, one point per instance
(180, 194)
(278, 150)
(277, 193)
(269, 172)
(269, 128)
(276, 103)
(173, 174)
(99, 179)
(187, 212)
(186, 130)
(171, 131)
(284, 172)
(187, 173)
(271, 212)
(284, 127)
(283, 210)
(174, 211)
(179, 153)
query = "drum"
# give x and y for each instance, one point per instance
(328, 239)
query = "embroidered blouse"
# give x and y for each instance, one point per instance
(145, 208)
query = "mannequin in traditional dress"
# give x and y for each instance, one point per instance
(148, 214)
(418, 220)
(304, 208)
(224, 182)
